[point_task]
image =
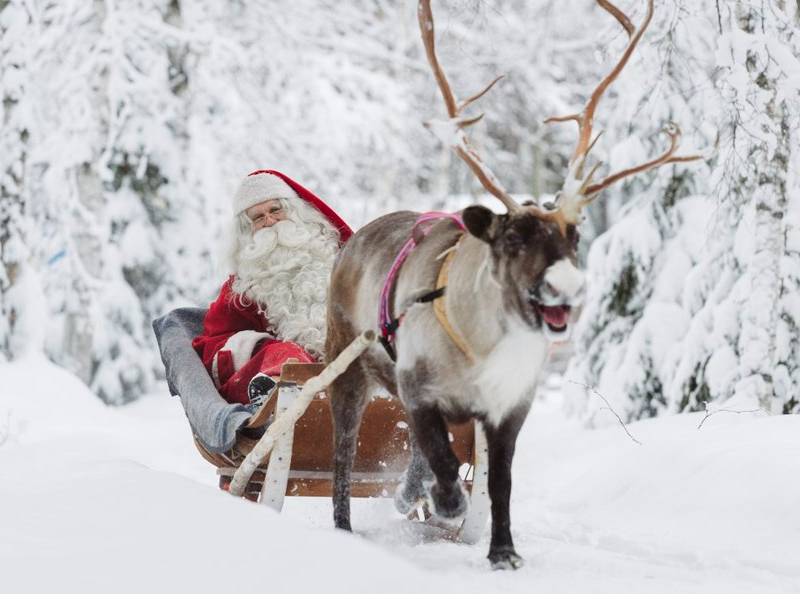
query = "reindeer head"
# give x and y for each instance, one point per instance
(534, 265)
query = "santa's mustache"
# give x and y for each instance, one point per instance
(284, 233)
(289, 285)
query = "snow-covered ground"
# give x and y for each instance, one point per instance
(102, 499)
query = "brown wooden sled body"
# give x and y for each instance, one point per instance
(301, 463)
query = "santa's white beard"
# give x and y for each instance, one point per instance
(285, 270)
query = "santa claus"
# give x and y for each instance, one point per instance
(272, 308)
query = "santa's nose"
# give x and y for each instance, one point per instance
(265, 222)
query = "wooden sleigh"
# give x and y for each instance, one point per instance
(301, 461)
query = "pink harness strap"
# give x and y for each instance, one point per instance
(424, 222)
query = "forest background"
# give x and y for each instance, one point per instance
(127, 124)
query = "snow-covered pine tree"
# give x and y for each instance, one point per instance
(24, 222)
(14, 135)
(759, 58)
(106, 131)
(148, 207)
(633, 315)
(729, 335)
(770, 135)
(741, 347)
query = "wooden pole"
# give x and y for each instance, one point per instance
(287, 419)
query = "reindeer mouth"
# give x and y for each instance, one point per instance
(555, 317)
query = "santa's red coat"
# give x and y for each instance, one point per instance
(237, 341)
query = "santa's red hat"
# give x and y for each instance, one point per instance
(262, 185)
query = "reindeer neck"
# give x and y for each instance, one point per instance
(473, 300)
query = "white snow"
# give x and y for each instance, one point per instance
(127, 127)
(101, 499)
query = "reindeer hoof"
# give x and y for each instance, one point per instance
(406, 501)
(449, 504)
(341, 521)
(343, 526)
(412, 492)
(505, 558)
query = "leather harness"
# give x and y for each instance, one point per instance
(388, 325)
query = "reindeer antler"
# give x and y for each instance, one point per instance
(579, 190)
(452, 132)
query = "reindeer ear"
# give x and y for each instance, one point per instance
(480, 222)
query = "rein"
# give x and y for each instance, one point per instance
(388, 326)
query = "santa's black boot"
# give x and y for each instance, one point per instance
(259, 388)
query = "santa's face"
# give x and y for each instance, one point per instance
(265, 214)
(284, 267)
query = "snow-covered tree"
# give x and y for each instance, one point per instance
(14, 137)
(763, 52)
(695, 289)
(128, 124)
(102, 167)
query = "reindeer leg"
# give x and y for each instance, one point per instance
(416, 480)
(448, 499)
(502, 441)
(348, 399)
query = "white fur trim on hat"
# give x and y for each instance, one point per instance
(259, 188)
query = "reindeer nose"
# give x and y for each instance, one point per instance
(565, 278)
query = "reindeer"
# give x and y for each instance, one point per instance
(480, 296)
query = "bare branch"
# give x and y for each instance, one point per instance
(594, 391)
(727, 410)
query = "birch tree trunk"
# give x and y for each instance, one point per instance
(769, 154)
(14, 137)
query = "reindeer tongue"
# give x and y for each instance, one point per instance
(555, 315)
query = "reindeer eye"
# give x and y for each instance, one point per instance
(513, 239)
(573, 235)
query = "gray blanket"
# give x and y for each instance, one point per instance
(212, 419)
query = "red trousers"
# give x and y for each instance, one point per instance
(268, 358)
